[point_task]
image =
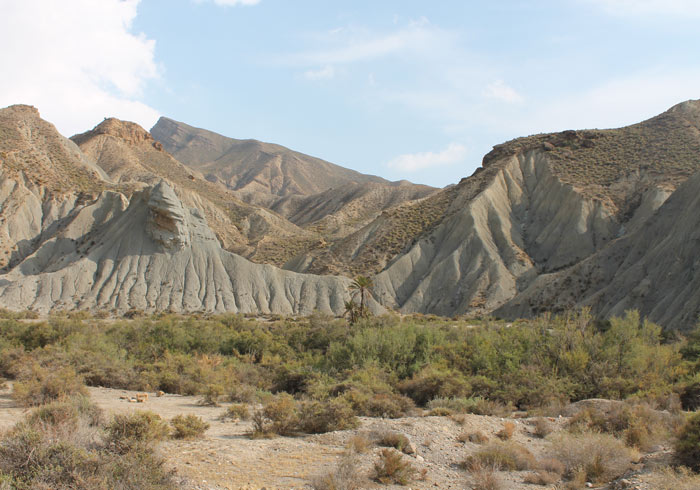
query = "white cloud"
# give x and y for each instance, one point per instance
(648, 7)
(325, 73)
(77, 61)
(411, 162)
(351, 44)
(501, 91)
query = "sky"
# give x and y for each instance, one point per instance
(405, 89)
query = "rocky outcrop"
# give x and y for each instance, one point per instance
(166, 218)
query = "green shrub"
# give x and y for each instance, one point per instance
(316, 417)
(188, 426)
(211, 396)
(687, 447)
(127, 430)
(237, 411)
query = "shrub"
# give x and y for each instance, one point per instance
(43, 385)
(68, 412)
(236, 411)
(387, 405)
(601, 457)
(485, 478)
(392, 468)
(359, 443)
(440, 412)
(394, 439)
(188, 426)
(506, 433)
(50, 450)
(503, 456)
(242, 393)
(281, 411)
(542, 427)
(343, 477)
(432, 383)
(542, 477)
(478, 437)
(128, 430)
(324, 416)
(211, 396)
(687, 447)
(674, 479)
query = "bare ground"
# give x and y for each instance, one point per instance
(226, 458)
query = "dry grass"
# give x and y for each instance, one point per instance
(343, 477)
(506, 433)
(674, 479)
(485, 478)
(506, 456)
(393, 468)
(602, 457)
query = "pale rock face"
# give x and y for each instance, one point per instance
(167, 218)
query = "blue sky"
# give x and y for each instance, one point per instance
(408, 89)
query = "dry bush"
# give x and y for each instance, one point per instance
(440, 412)
(478, 437)
(485, 478)
(188, 426)
(281, 411)
(506, 433)
(542, 427)
(238, 411)
(507, 456)
(394, 439)
(680, 478)
(316, 417)
(41, 385)
(552, 465)
(211, 396)
(243, 393)
(392, 468)
(128, 430)
(359, 443)
(387, 405)
(51, 449)
(343, 477)
(638, 425)
(542, 477)
(602, 457)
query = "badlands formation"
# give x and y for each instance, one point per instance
(183, 219)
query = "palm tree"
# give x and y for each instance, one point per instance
(362, 285)
(351, 309)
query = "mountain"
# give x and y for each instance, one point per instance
(547, 207)
(257, 171)
(330, 203)
(78, 240)
(606, 219)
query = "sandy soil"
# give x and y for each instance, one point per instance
(227, 459)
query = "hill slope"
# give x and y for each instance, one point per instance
(256, 170)
(544, 204)
(101, 245)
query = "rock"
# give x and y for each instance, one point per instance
(547, 146)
